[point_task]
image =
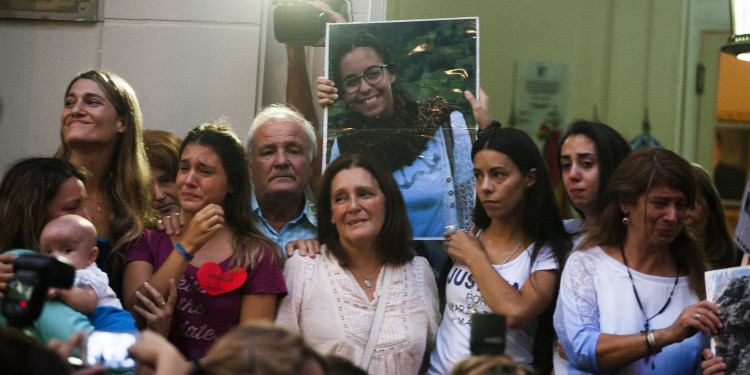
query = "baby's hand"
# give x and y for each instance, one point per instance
(53, 293)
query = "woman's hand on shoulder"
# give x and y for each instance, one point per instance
(327, 92)
(171, 224)
(480, 106)
(306, 247)
(463, 246)
(204, 223)
(712, 365)
(701, 317)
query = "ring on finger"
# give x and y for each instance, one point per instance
(697, 316)
(162, 303)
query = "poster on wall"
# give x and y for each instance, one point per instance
(540, 107)
(401, 101)
(58, 10)
(540, 100)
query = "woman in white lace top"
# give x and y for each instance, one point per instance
(365, 261)
(629, 304)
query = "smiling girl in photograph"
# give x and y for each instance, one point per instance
(510, 266)
(424, 143)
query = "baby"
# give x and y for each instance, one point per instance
(74, 238)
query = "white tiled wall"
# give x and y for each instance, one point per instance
(188, 61)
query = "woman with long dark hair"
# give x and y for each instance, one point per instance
(226, 271)
(366, 297)
(708, 223)
(510, 266)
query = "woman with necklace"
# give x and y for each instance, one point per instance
(630, 302)
(101, 132)
(588, 155)
(366, 297)
(510, 267)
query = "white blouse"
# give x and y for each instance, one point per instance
(333, 314)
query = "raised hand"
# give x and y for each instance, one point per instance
(327, 92)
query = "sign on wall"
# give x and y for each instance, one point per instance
(541, 95)
(58, 10)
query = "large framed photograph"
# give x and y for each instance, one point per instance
(58, 10)
(401, 100)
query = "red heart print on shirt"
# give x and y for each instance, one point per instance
(215, 281)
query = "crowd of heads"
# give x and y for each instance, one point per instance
(44, 195)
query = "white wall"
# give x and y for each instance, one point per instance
(188, 61)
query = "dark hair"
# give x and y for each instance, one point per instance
(718, 245)
(540, 216)
(219, 137)
(348, 45)
(259, 347)
(611, 149)
(25, 190)
(635, 177)
(490, 365)
(342, 366)
(366, 40)
(162, 150)
(21, 354)
(393, 242)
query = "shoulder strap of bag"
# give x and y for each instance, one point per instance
(377, 320)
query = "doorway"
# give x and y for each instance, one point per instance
(723, 144)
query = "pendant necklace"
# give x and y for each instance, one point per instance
(368, 283)
(99, 205)
(514, 251)
(638, 299)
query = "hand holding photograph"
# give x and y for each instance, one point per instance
(729, 289)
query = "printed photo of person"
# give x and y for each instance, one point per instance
(400, 89)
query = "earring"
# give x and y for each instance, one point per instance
(625, 220)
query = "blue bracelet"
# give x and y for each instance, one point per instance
(182, 252)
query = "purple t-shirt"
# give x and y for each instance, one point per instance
(200, 318)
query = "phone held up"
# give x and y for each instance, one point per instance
(109, 349)
(487, 334)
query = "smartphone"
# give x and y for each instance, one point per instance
(487, 334)
(109, 349)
